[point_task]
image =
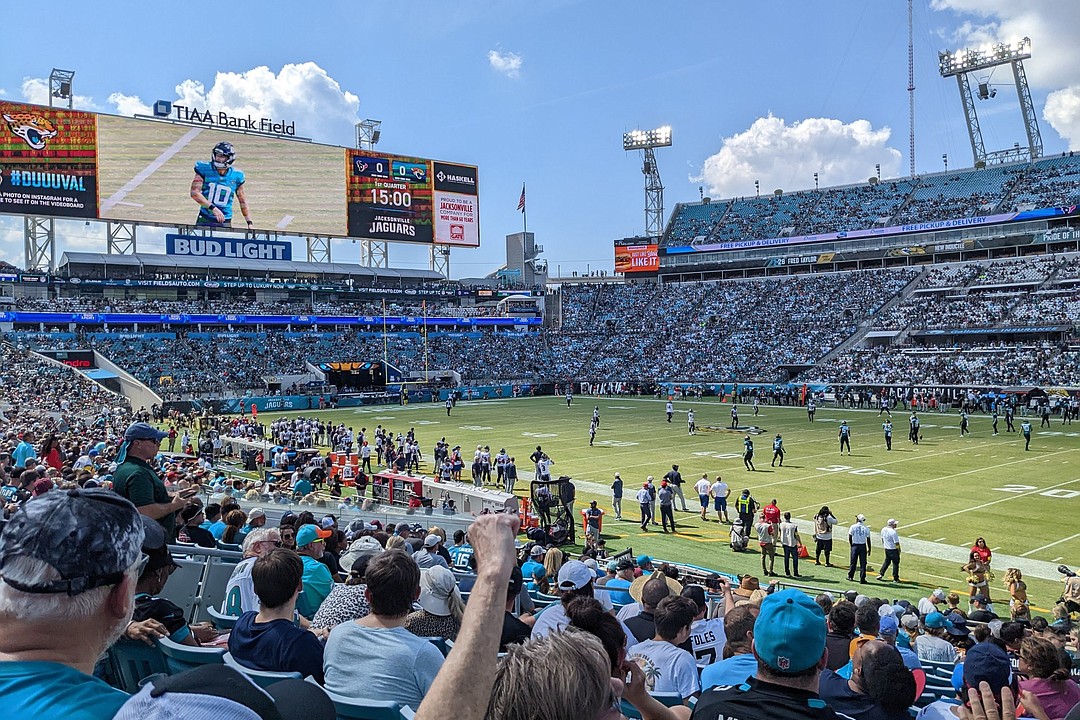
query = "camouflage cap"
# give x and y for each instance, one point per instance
(90, 537)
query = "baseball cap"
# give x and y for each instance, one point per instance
(643, 560)
(612, 566)
(910, 621)
(981, 599)
(437, 584)
(892, 521)
(939, 594)
(40, 487)
(214, 691)
(958, 626)
(309, 534)
(987, 662)
(516, 580)
(937, 620)
(536, 550)
(90, 537)
(860, 518)
(789, 634)
(888, 626)
(326, 523)
(574, 575)
(431, 541)
(144, 431)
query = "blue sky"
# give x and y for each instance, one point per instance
(541, 92)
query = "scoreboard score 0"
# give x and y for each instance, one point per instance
(398, 198)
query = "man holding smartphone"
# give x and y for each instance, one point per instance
(136, 480)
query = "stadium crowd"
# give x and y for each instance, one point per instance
(366, 610)
(745, 330)
(1045, 183)
(999, 364)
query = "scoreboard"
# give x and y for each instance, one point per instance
(393, 197)
(69, 163)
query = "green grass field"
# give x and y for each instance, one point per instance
(945, 492)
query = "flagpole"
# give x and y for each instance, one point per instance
(524, 231)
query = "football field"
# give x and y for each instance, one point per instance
(944, 492)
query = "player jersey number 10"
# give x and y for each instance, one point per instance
(219, 194)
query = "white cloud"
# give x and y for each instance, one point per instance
(508, 63)
(36, 91)
(129, 104)
(1055, 61)
(779, 155)
(300, 92)
(1062, 111)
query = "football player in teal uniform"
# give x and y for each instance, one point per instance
(215, 185)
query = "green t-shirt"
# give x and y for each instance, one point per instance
(138, 482)
(317, 585)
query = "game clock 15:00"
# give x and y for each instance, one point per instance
(389, 197)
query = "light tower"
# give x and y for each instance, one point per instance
(60, 87)
(962, 63)
(373, 253)
(647, 141)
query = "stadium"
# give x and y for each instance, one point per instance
(904, 351)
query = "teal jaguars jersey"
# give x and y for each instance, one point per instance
(218, 189)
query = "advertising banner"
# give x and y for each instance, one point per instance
(48, 161)
(199, 246)
(637, 255)
(456, 205)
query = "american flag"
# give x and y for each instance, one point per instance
(521, 200)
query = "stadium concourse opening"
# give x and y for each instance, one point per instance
(359, 377)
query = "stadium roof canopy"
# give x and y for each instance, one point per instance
(74, 263)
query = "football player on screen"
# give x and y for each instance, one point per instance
(214, 186)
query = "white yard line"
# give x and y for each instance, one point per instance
(284, 222)
(150, 169)
(992, 502)
(1044, 547)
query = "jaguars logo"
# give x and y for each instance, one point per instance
(35, 130)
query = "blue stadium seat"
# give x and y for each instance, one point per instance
(179, 658)
(262, 678)
(441, 643)
(220, 620)
(133, 661)
(350, 709)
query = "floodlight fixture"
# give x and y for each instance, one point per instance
(642, 139)
(368, 133)
(60, 86)
(962, 63)
(986, 56)
(646, 141)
